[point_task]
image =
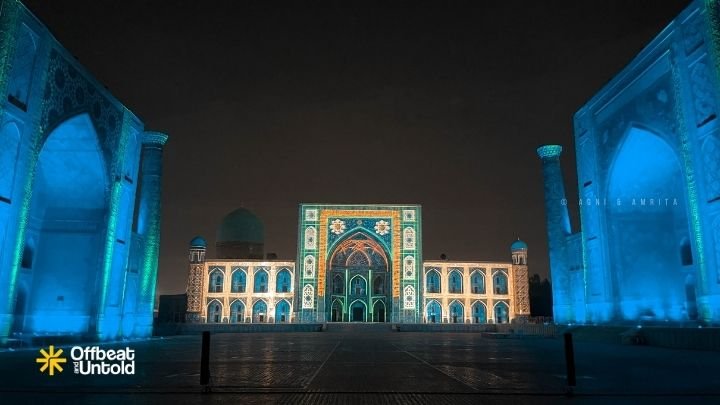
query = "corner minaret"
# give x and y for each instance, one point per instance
(194, 291)
(521, 283)
(149, 214)
(558, 229)
(555, 201)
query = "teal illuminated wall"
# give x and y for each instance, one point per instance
(69, 176)
(648, 165)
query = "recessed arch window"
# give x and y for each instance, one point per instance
(502, 313)
(282, 312)
(457, 312)
(379, 311)
(358, 286)
(432, 284)
(214, 312)
(338, 287)
(378, 285)
(433, 312)
(479, 313)
(23, 65)
(283, 281)
(259, 312)
(477, 283)
(237, 312)
(216, 281)
(500, 282)
(455, 282)
(10, 141)
(261, 282)
(238, 281)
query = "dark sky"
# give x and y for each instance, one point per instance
(269, 105)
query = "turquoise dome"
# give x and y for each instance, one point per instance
(518, 244)
(198, 241)
(241, 225)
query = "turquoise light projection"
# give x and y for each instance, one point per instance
(68, 208)
(67, 196)
(647, 150)
(110, 311)
(709, 310)
(647, 229)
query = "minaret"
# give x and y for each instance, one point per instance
(558, 228)
(520, 280)
(149, 226)
(196, 273)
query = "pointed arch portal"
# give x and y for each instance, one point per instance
(649, 256)
(65, 234)
(358, 272)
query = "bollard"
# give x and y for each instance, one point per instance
(569, 361)
(205, 362)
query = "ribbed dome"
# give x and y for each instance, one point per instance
(198, 241)
(518, 244)
(241, 225)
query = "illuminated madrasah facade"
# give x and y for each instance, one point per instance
(79, 195)
(648, 167)
(355, 263)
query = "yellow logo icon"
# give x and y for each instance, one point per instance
(51, 360)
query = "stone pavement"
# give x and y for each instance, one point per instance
(375, 367)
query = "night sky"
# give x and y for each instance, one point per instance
(268, 106)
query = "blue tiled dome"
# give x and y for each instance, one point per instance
(518, 244)
(241, 225)
(198, 241)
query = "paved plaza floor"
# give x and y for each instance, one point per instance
(377, 368)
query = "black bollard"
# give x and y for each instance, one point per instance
(205, 361)
(569, 361)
